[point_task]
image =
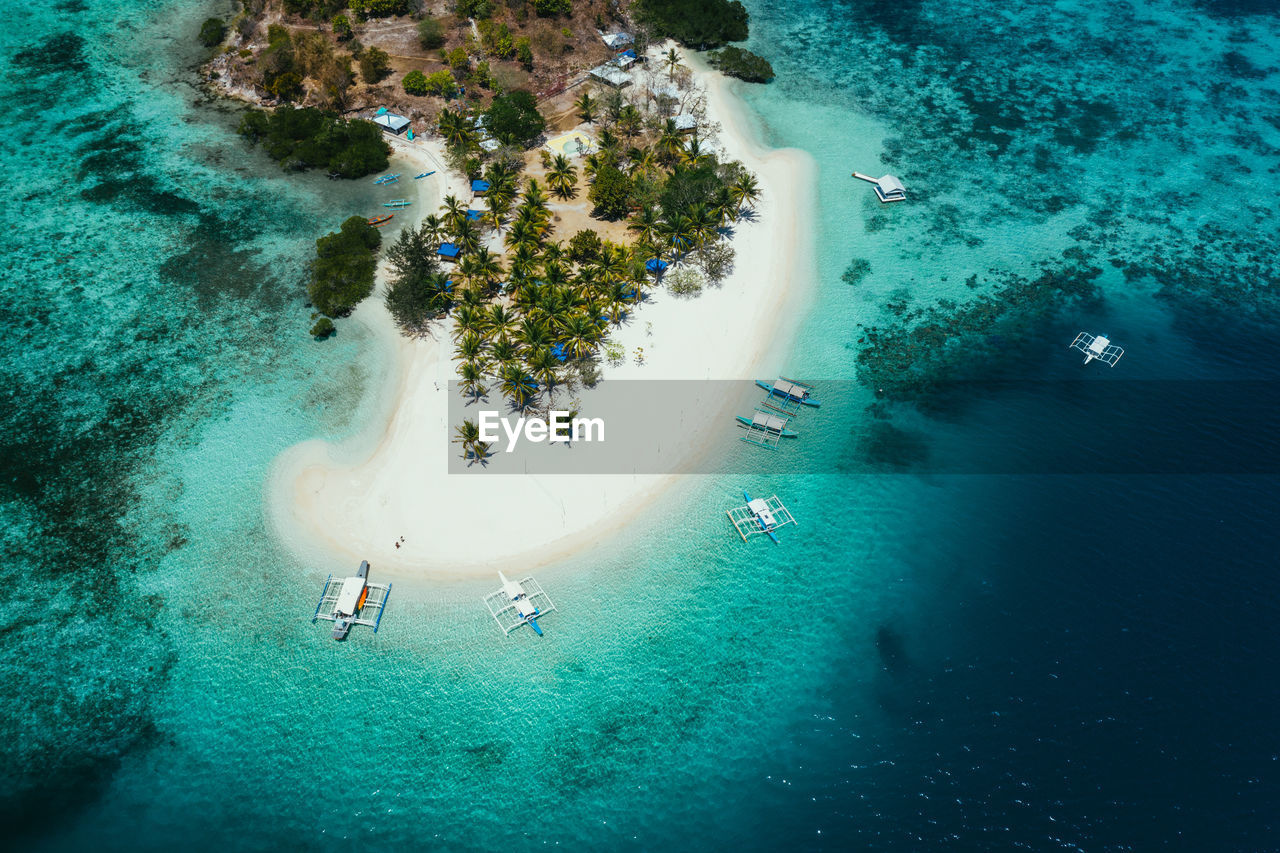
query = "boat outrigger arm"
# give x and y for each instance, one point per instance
(762, 515)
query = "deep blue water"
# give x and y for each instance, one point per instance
(1065, 657)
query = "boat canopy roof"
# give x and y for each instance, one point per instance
(349, 596)
(791, 389)
(764, 420)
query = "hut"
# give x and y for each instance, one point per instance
(448, 251)
(391, 123)
(610, 75)
(888, 188)
(479, 187)
(618, 42)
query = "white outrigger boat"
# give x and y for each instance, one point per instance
(762, 515)
(518, 604)
(1099, 348)
(352, 601)
(792, 394)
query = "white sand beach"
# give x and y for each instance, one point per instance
(339, 503)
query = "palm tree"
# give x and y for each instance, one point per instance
(467, 319)
(669, 144)
(532, 334)
(524, 264)
(471, 379)
(485, 268)
(503, 353)
(613, 104)
(586, 107)
(581, 334)
(517, 385)
(466, 236)
(671, 61)
(455, 128)
(677, 233)
(454, 212)
(470, 349)
(433, 227)
(745, 190)
(645, 224)
(468, 435)
(629, 121)
(534, 197)
(608, 142)
(563, 177)
(702, 222)
(496, 205)
(723, 207)
(500, 321)
(693, 156)
(545, 368)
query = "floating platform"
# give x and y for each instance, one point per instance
(518, 604)
(762, 515)
(887, 187)
(766, 428)
(352, 601)
(1099, 348)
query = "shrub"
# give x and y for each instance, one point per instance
(478, 9)
(342, 27)
(524, 53)
(615, 353)
(378, 8)
(375, 64)
(700, 24)
(552, 8)
(442, 83)
(513, 118)
(497, 39)
(342, 273)
(457, 58)
(610, 192)
(430, 33)
(716, 260)
(685, 281)
(212, 32)
(323, 328)
(742, 64)
(584, 247)
(415, 83)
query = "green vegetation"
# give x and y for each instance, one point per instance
(430, 33)
(375, 64)
(513, 118)
(552, 8)
(323, 328)
(288, 59)
(497, 39)
(212, 32)
(418, 292)
(363, 9)
(610, 191)
(742, 64)
(701, 24)
(524, 53)
(478, 9)
(439, 83)
(342, 273)
(308, 138)
(342, 27)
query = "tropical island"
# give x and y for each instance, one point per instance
(572, 187)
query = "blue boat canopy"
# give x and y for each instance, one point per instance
(473, 215)
(557, 350)
(478, 186)
(448, 250)
(655, 265)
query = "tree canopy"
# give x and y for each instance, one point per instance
(308, 138)
(700, 24)
(342, 273)
(418, 292)
(610, 192)
(742, 64)
(513, 118)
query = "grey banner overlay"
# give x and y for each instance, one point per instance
(1090, 426)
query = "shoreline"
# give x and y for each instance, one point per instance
(336, 503)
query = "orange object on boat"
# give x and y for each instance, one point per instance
(364, 595)
(375, 221)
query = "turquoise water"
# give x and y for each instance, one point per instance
(929, 660)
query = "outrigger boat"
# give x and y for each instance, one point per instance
(352, 601)
(1099, 347)
(398, 202)
(518, 604)
(388, 179)
(424, 175)
(766, 428)
(377, 221)
(790, 391)
(762, 515)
